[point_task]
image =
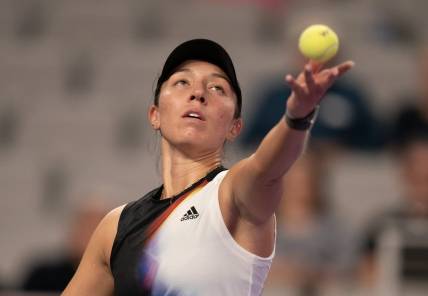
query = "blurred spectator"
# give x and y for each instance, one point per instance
(408, 220)
(53, 274)
(400, 235)
(412, 118)
(312, 245)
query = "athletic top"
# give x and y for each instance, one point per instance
(181, 246)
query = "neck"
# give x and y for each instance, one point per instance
(181, 170)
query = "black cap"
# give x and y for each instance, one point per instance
(201, 50)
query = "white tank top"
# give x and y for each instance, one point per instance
(193, 252)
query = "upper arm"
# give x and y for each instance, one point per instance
(93, 276)
(254, 197)
(254, 185)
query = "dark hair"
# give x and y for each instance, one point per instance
(202, 50)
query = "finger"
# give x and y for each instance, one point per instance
(345, 67)
(309, 78)
(295, 86)
(327, 77)
(316, 66)
(332, 76)
(339, 69)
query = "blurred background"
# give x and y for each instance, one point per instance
(77, 77)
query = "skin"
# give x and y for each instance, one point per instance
(251, 190)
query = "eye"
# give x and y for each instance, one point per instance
(181, 82)
(218, 88)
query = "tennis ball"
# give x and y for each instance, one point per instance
(319, 43)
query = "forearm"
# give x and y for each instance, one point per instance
(278, 151)
(255, 182)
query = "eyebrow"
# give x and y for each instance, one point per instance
(221, 76)
(214, 74)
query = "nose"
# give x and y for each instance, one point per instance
(198, 94)
(199, 98)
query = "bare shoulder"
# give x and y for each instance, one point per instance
(108, 229)
(93, 276)
(228, 191)
(112, 218)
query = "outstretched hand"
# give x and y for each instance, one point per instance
(310, 86)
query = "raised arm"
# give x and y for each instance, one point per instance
(93, 276)
(254, 184)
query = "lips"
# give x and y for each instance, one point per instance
(194, 114)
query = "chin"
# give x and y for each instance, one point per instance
(197, 146)
(195, 142)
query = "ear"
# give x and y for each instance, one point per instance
(235, 129)
(153, 116)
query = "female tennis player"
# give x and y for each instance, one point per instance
(207, 230)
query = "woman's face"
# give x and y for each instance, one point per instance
(196, 108)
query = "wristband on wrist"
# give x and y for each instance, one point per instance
(302, 124)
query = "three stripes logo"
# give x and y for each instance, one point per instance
(191, 214)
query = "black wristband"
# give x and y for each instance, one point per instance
(302, 124)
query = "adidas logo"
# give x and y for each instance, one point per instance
(191, 214)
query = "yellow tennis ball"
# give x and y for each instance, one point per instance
(319, 43)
